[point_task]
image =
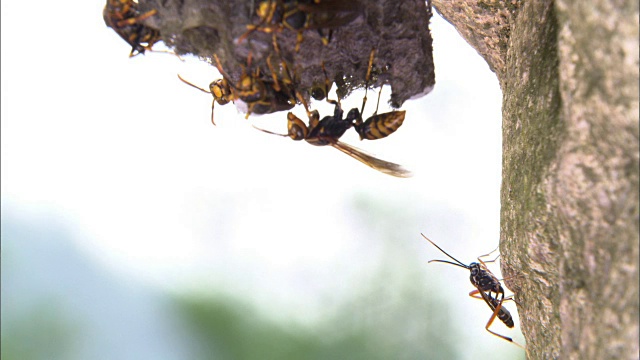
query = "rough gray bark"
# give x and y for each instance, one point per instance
(569, 218)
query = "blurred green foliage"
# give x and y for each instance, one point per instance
(41, 333)
(225, 328)
(391, 314)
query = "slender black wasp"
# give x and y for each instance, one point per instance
(487, 286)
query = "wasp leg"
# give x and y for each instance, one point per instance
(304, 103)
(492, 318)
(288, 81)
(265, 18)
(510, 297)
(378, 103)
(327, 83)
(487, 255)
(496, 311)
(137, 19)
(274, 76)
(276, 49)
(327, 86)
(326, 39)
(220, 68)
(250, 29)
(299, 39)
(474, 294)
(203, 90)
(366, 85)
(249, 110)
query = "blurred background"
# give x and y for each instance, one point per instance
(134, 229)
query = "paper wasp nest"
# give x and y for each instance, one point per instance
(338, 33)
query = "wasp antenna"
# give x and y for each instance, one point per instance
(450, 262)
(459, 263)
(269, 132)
(192, 85)
(213, 103)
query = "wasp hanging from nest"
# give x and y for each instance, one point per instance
(329, 130)
(124, 17)
(301, 15)
(261, 95)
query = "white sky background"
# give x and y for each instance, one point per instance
(124, 153)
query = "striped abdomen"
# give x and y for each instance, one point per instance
(380, 125)
(503, 314)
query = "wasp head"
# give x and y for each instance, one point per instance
(297, 130)
(221, 91)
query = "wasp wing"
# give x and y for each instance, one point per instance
(386, 167)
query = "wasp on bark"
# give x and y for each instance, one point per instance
(488, 288)
(124, 17)
(261, 95)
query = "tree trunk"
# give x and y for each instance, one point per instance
(569, 219)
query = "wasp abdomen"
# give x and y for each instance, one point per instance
(380, 125)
